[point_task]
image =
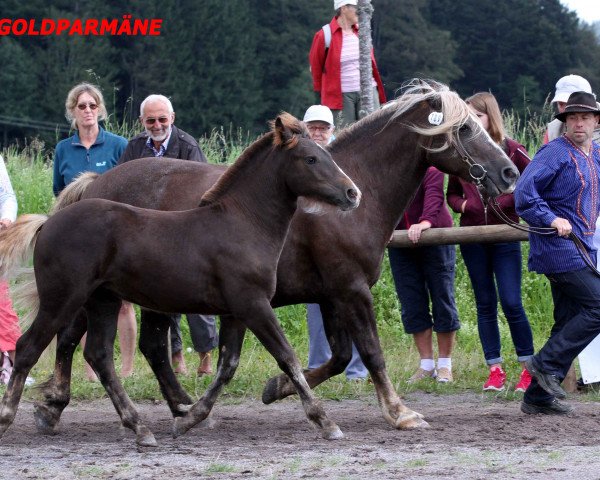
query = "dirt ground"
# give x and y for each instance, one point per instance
(471, 437)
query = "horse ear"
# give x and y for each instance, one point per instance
(283, 134)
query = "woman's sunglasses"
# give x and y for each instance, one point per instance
(83, 106)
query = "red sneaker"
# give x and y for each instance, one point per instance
(524, 381)
(496, 380)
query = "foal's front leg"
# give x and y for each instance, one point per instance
(102, 329)
(231, 339)
(57, 390)
(261, 320)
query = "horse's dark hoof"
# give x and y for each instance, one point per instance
(42, 417)
(272, 390)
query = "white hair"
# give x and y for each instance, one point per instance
(156, 98)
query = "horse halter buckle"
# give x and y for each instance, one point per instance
(476, 171)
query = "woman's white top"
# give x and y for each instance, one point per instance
(8, 200)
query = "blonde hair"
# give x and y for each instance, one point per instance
(73, 96)
(485, 102)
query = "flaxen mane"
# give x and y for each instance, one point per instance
(274, 138)
(455, 111)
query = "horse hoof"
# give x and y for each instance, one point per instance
(209, 422)
(270, 393)
(411, 421)
(333, 433)
(178, 427)
(43, 426)
(146, 439)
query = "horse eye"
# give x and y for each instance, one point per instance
(310, 160)
(464, 128)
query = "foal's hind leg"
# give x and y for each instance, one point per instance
(340, 342)
(260, 318)
(29, 348)
(154, 338)
(231, 338)
(57, 390)
(103, 310)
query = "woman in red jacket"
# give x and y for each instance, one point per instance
(334, 65)
(494, 266)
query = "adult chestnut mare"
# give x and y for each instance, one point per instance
(329, 259)
(220, 257)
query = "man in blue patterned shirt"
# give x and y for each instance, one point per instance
(560, 189)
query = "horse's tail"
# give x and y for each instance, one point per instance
(17, 242)
(74, 191)
(25, 297)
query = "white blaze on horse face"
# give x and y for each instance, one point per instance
(356, 189)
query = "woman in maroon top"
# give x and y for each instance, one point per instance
(494, 266)
(426, 274)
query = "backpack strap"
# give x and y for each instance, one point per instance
(327, 32)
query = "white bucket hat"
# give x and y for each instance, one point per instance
(340, 3)
(568, 85)
(318, 113)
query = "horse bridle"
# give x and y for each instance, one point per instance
(476, 171)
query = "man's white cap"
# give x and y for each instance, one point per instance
(569, 84)
(318, 113)
(340, 3)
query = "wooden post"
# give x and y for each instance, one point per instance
(455, 235)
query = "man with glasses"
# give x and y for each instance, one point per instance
(161, 138)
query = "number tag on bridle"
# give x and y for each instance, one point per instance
(435, 118)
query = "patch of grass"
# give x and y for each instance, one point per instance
(419, 462)
(90, 471)
(556, 455)
(219, 468)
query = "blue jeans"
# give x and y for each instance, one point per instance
(318, 346)
(421, 274)
(502, 262)
(576, 298)
(203, 331)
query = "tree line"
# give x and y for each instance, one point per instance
(239, 62)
